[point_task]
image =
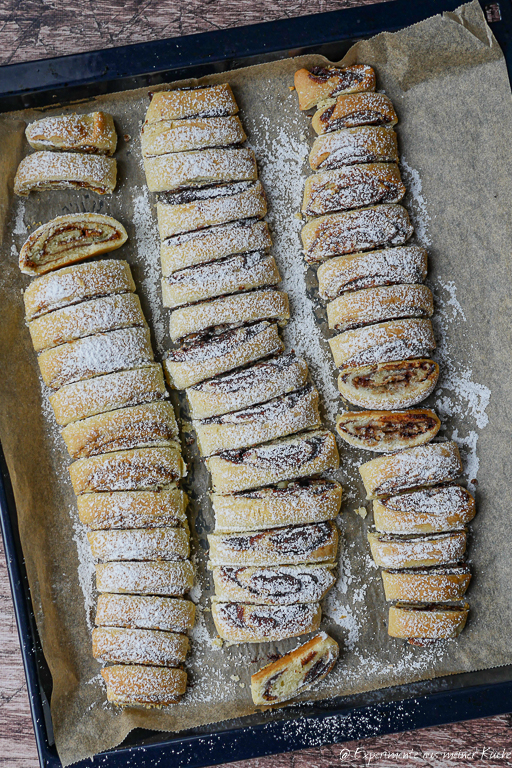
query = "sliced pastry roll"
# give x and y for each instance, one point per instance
(139, 646)
(207, 166)
(94, 133)
(278, 585)
(354, 109)
(121, 389)
(354, 272)
(417, 551)
(383, 342)
(244, 623)
(250, 307)
(148, 687)
(215, 353)
(95, 355)
(354, 145)
(427, 585)
(384, 431)
(167, 614)
(261, 423)
(417, 623)
(299, 456)
(138, 469)
(108, 313)
(295, 503)
(172, 579)
(81, 282)
(429, 510)
(244, 200)
(321, 83)
(243, 272)
(313, 543)
(352, 187)
(68, 239)
(256, 384)
(424, 465)
(133, 509)
(363, 229)
(140, 544)
(399, 384)
(65, 170)
(295, 672)
(376, 305)
(213, 101)
(190, 248)
(166, 136)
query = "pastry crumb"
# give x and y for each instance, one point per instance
(291, 88)
(236, 678)
(241, 685)
(361, 511)
(217, 642)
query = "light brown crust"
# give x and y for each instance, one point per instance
(166, 136)
(427, 622)
(385, 342)
(243, 623)
(133, 685)
(352, 110)
(165, 173)
(429, 510)
(65, 170)
(377, 305)
(139, 646)
(320, 83)
(398, 384)
(169, 579)
(133, 509)
(276, 585)
(417, 552)
(168, 614)
(214, 101)
(140, 544)
(294, 672)
(385, 431)
(435, 585)
(94, 133)
(354, 145)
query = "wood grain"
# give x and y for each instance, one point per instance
(36, 29)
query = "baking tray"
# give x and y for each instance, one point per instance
(418, 705)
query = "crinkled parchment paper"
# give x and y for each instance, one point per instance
(448, 81)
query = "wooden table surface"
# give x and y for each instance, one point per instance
(36, 29)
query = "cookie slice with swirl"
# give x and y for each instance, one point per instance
(243, 623)
(321, 83)
(278, 585)
(354, 109)
(368, 144)
(394, 384)
(384, 431)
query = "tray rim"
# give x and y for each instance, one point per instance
(182, 56)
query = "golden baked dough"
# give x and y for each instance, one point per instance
(133, 509)
(417, 551)
(140, 544)
(354, 109)
(207, 166)
(273, 585)
(429, 510)
(169, 614)
(65, 170)
(354, 145)
(94, 133)
(166, 136)
(430, 585)
(321, 83)
(427, 622)
(376, 305)
(139, 646)
(171, 579)
(385, 431)
(399, 384)
(134, 685)
(212, 101)
(243, 623)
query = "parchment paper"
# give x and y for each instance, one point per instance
(448, 81)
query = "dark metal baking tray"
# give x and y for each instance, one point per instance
(418, 705)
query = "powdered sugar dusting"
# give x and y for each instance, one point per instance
(417, 205)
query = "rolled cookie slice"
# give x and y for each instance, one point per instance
(68, 239)
(148, 687)
(171, 579)
(354, 272)
(139, 469)
(196, 168)
(295, 672)
(399, 384)
(256, 384)
(352, 187)
(243, 623)
(430, 510)
(376, 305)
(108, 313)
(354, 145)
(81, 282)
(140, 544)
(213, 101)
(235, 274)
(418, 623)
(205, 245)
(137, 427)
(139, 646)
(383, 342)
(417, 467)
(299, 456)
(133, 509)
(384, 431)
(247, 200)
(427, 585)
(279, 585)
(215, 353)
(94, 133)
(167, 614)
(95, 355)
(417, 551)
(321, 83)
(65, 170)
(184, 135)
(313, 543)
(282, 416)
(240, 309)
(107, 393)
(355, 109)
(363, 229)
(297, 503)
